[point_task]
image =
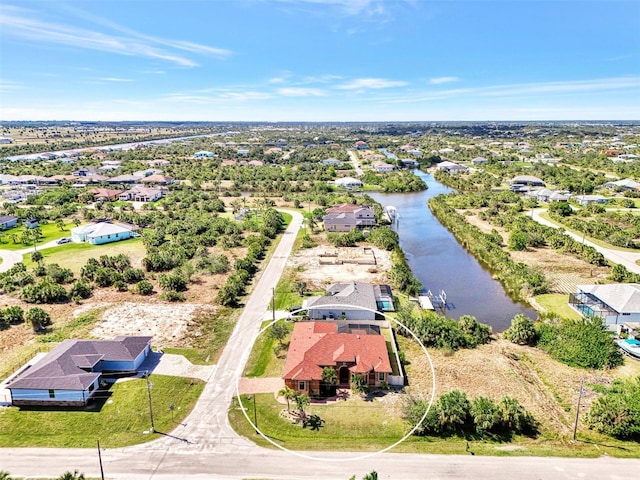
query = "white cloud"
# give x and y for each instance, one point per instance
(301, 92)
(440, 80)
(20, 23)
(375, 83)
(525, 89)
(219, 97)
(114, 79)
(346, 7)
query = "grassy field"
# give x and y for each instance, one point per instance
(364, 426)
(263, 361)
(351, 424)
(557, 303)
(75, 255)
(49, 232)
(118, 419)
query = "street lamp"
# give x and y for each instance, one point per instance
(255, 417)
(149, 385)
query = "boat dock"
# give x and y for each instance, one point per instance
(432, 301)
(390, 213)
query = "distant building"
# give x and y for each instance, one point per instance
(451, 167)
(8, 221)
(528, 180)
(6, 140)
(383, 167)
(100, 233)
(348, 183)
(203, 154)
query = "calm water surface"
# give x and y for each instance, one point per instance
(440, 263)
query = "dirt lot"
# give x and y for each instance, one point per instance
(308, 268)
(548, 389)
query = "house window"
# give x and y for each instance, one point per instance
(91, 387)
(381, 376)
(626, 313)
(301, 385)
(52, 394)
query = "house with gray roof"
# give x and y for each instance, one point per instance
(350, 301)
(346, 217)
(70, 374)
(614, 303)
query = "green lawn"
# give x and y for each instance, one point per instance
(49, 231)
(119, 419)
(263, 361)
(370, 426)
(557, 303)
(352, 424)
(75, 255)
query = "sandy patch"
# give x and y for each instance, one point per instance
(307, 263)
(166, 323)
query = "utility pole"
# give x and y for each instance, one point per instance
(255, 416)
(575, 426)
(100, 460)
(149, 385)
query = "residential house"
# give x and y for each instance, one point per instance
(31, 223)
(614, 303)
(85, 172)
(349, 351)
(451, 167)
(100, 233)
(255, 163)
(591, 199)
(345, 217)
(70, 374)
(6, 140)
(546, 195)
(415, 153)
(204, 154)
(348, 182)
(360, 145)
(8, 221)
(123, 179)
(383, 167)
(624, 184)
(157, 179)
(242, 152)
(479, 161)
(351, 301)
(331, 162)
(446, 151)
(141, 194)
(409, 163)
(104, 194)
(529, 180)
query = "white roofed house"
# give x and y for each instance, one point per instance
(348, 182)
(100, 233)
(383, 167)
(451, 167)
(615, 303)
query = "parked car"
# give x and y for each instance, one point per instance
(64, 240)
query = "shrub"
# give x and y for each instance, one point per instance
(144, 287)
(173, 296)
(38, 318)
(13, 315)
(45, 291)
(617, 412)
(485, 414)
(585, 343)
(133, 275)
(81, 289)
(521, 331)
(173, 282)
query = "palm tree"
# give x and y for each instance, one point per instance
(4, 475)
(60, 224)
(302, 401)
(75, 475)
(76, 221)
(288, 395)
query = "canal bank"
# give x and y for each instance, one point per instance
(442, 264)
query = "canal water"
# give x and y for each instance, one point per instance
(438, 260)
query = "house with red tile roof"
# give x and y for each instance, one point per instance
(348, 349)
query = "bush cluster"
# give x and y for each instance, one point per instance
(454, 414)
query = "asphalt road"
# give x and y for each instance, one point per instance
(205, 446)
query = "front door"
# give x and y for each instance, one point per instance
(344, 376)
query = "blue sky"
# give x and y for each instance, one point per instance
(319, 60)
